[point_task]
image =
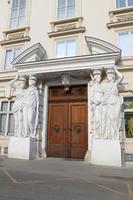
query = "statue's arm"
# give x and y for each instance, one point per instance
(120, 76)
(92, 78)
(12, 83)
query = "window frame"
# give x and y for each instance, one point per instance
(126, 5)
(5, 54)
(65, 40)
(8, 112)
(66, 10)
(129, 30)
(25, 16)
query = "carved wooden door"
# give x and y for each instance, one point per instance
(67, 128)
(56, 133)
(78, 129)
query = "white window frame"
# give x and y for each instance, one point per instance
(7, 113)
(25, 20)
(5, 53)
(65, 40)
(129, 43)
(126, 4)
(66, 9)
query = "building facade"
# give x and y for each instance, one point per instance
(62, 42)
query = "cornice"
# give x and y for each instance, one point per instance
(69, 64)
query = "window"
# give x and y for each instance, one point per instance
(126, 43)
(123, 3)
(11, 54)
(6, 118)
(65, 9)
(128, 101)
(65, 48)
(18, 13)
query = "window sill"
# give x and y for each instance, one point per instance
(14, 30)
(121, 17)
(119, 24)
(13, 36)
(121, 10)
(68, 20)
(66, 27)
(66, 32)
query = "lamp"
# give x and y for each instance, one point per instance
(66, 81)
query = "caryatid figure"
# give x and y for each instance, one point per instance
(96, 102)
(112, 104)
(31, 108)
(19, 84)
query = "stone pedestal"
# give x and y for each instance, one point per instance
(106, 152)
(22, 148)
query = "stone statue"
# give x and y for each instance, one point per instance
(18, 105)
(112, 104)
(96, 102)
(31, 106)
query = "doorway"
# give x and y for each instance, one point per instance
(67, 122)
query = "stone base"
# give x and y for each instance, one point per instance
(22, 148)
(106, 152)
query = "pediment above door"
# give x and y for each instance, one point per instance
(33, 53)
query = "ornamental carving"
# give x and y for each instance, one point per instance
(66, 27)
(14, 36)
(74, 92)
(123, 18)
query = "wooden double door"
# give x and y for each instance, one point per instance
(67, 126)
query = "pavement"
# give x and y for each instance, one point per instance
(63, 179)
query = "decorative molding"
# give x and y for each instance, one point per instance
(15, 36)
(7, 75)
(65, 21)
(60, 65)
(120, 18)
(119, 24)
(126, 17)
(121, 10)
(74, 92)
(33, 53)
(66, 27)
(66, 32)
(97, 46)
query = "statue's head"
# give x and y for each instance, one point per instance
(97, 75)
(32, 80)
(110, 75)
(22, 82)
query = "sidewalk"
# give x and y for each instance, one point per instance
(64, 167)
(60, 179)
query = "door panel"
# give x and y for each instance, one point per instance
(78, 122)
(56, 137)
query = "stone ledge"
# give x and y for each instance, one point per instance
(121, 10)
(64, 21)
(12, 36)
(119, 24)
(7, 42)
(67, 32)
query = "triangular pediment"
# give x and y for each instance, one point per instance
(98, 46)
(33, 53)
